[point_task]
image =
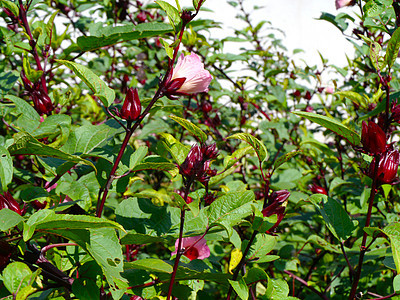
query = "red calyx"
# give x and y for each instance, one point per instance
(373, 138)
(132, 107)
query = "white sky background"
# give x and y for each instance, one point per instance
(296, 18)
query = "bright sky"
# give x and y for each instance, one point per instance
(296, 18)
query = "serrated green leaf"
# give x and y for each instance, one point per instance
(24, 108)
(26, 144)
(168, 49)
(193, 129)
(374, 53)
(393, 232)
(137, 156)
(230, 209)
(11, 6)
(16, 276)
(354, 97)
(98, 86)
(149, 264)
(373, 8)
(263, 244)
(240, 288)
(332, 124)
(396, 283)
(336, 218)
(9, 219)
(172, 13)
(155, 162)
(393, 47)
(111, 35)
(230, 160)
(257, 145)
(255, 275)
(6, 169)
(285, 158)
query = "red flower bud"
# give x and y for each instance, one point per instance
(132, 107)
(7, 201)
(275, 207)
(315, 189)
(193, 165)
(141, 17)
(396, 113)
(297, 93)
(308, 95)
(373, 138)
(209, 152)
(206, 107)
(388, 166)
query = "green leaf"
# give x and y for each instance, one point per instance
(263, 244)
(26, 144)
(6, 169)
(374, 53)
(396, 283)
(393, 47)
(240, 288)
(373, 8)
(45, 220)
(393, 232)
(168, 49)
(139, 239)
(84, 139)
(32, 74)
(177, 150)
(137, 156)
(155, 162)
(354, 97)
(332, 124)
(98, 86)
(230, 209)
(193, 129)
(336, 218)
(149, 264)
(11, 6)
(111, 35)
(84, 288)
(230, 160)
(257, 145)
(277, 289)
(24, 108)
(285, 158)
(9, 219)
(16, 276)
(172, 13)
(255, 275)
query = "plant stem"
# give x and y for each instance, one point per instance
(363, 249)
(241, 263)
(304, 283)
(179, 250)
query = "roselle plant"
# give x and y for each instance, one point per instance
(137, 163)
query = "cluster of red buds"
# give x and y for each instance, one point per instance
(197, 164)
(374, 142)
(131, 108)
(7, 201)
(39, 96)
(275, 206)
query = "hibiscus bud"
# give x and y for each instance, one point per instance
(276, 207)
(186, 16)
(194, 247)
(193, 164)
(388, 166)
(7, 201)
(308, 95)
(297, 93)
(141, 17)
(209, 152)
(373, 138)
(132, 107)
(315, 189)
(193, 78)
(206, 107)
